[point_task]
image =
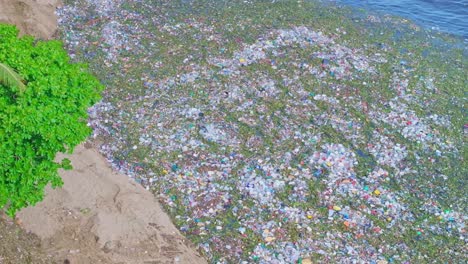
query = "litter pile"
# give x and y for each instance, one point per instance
(291, 141)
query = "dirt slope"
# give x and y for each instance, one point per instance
(33, 17)
(100, 216)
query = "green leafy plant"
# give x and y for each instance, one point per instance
(43, 110)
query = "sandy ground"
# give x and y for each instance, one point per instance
(33, 17)
(98, 216)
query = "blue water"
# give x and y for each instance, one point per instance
(450, 16)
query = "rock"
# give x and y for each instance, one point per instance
(110, 246)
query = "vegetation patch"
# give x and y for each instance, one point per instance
(43, 110)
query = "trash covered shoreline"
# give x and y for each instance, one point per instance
(285, 131)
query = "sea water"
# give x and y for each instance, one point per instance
(450, 16)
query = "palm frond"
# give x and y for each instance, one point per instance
(9, 78)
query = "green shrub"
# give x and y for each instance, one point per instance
(43, 110)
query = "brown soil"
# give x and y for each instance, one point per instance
(17, 246)
(100, 216)
(33, 17)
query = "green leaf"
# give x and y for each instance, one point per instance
(9, 78)
(66, 164)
